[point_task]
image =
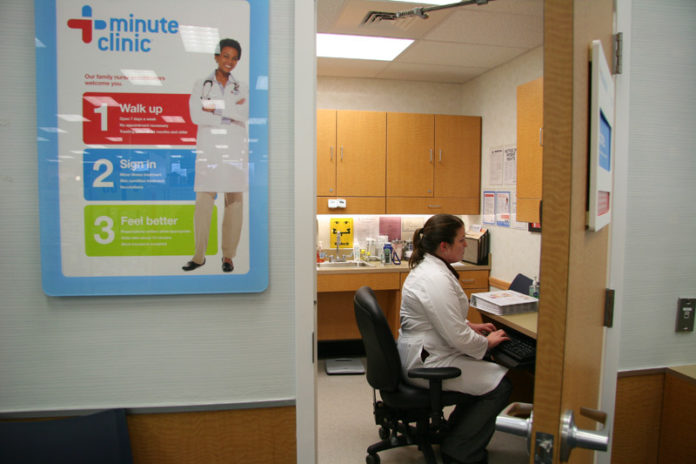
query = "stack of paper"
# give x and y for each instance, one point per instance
(504, 302)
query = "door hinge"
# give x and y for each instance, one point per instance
(609, 307)
(618, 52)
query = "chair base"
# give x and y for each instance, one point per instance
(396, 432)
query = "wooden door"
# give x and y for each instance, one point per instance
(410, 154)
(573, 259)
(457, 156)
(530, 119)
(326, 152)
(361, 162)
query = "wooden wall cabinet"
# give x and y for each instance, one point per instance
(398, 163)
(433, 163)
(351, 159)
(530, 120)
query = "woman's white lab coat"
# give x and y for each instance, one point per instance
(433, 317)
(222, 158)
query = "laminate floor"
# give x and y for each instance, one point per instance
(346, 427)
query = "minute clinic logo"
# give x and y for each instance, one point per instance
(86, 24)
(128, 33)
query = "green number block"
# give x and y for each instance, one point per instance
(143, 230)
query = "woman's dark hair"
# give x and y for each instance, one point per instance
(439, 228)
(229, 43)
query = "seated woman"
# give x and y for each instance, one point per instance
(435, 332)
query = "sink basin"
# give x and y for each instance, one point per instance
(347, 264)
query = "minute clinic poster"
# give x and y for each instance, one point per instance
(152, 146)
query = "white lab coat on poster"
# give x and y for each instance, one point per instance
(433, 317)
(222, 145)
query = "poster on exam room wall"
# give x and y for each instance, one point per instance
(133, 126)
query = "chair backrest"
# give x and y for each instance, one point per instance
(382, 357)
(521, 284)
(95, 438)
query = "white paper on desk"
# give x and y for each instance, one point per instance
(504, 302)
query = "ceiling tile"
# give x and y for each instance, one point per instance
(452, 45)
(477, 27)
(338, 67)
(448, 53)
(432, 73)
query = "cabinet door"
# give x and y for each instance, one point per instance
(361, 162)
(326, 152)
(410, 154)
(457, 156)
(530, 119)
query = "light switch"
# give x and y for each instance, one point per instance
(685, 314)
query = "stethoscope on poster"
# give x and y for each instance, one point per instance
(205, 91)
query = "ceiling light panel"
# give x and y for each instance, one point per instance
(360, 47)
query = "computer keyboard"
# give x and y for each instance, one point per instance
(519, 351)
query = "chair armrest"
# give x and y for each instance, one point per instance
(434, 373)
(435, 376)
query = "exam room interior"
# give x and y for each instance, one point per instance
(440, 88)
(475, 73)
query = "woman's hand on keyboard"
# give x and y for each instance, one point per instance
(482, 329)
(495, 338)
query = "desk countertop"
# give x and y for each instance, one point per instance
(523, 322)
(379, 267)
(689, 372)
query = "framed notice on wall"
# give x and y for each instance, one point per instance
(152, 146)
(601, 177)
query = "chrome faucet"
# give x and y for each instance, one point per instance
(339, 258)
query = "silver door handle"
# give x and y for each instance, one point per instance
(517, 419)
(341, 152)
(440, 160)
(573, 437)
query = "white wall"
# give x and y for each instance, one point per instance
(660, 251)
(388, 95)
(493, 96)
(144, 351)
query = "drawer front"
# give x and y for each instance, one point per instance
(352, 281)
(434, 205)
(474, 279)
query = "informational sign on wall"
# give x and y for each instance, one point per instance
(153, 146)
(601, 177)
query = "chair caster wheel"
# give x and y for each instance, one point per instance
(372, 459)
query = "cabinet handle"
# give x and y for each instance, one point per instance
(434, 206)
(331, 150)
(440, 155)
(431, 155)
(541, 136)
(467, 281)
(341, 152)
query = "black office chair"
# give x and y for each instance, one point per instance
(95, 438)
(521, 284)
(402, 404)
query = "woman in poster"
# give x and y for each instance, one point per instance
(219, 105)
